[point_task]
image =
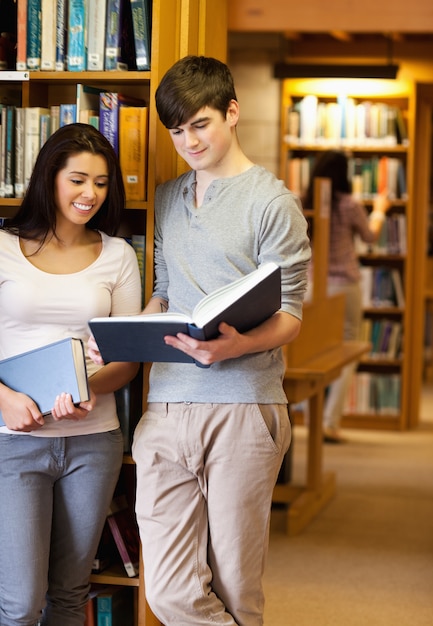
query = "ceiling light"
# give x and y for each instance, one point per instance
(307, 70)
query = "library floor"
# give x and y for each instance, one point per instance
(367, 559)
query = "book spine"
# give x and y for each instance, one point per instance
(132, 150)
(113, 37)
(76, 44)
(55, 117)
(34, 31)
(21, 63)
(96, 35)
(19, 152)
(109, 117)
(104, 611)
(139, 245)
(10, 152)
(141, 27)
(61, 37)
(32, 127)
(48, 35)
(3, 120)
(68, 114)
(130, 568)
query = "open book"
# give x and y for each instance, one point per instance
(45, 372)
(244, 304)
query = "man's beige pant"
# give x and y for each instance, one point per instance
(205, 476)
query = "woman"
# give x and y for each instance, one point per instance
(60, 265)
(348, 218)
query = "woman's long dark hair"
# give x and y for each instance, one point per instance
(332, 164)
(36, 217)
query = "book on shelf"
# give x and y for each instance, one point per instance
(141, 21)
(19, 153)
(32, 132)
(109, 105)
(9, 181)
(67, 113)
(115, 607)
(87, 102)
(244, 304)
(124, 529)
(21, 62)
(48, 34)
(46, 371)
(34, 28)
(113, 36)
(139, 244)
(133, 149)
(76, 40)
(97, 10)
(61, 34)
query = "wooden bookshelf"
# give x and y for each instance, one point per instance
(179, 28)
(300, 142)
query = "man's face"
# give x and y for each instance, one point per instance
(205, 139)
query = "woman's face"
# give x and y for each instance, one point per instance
(81, 187)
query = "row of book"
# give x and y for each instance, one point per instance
(78, 35)
(385, 336)
(371, 393)
(110, 606)
(368, 176)
(345, 121)
(122, 119)
(392, 238)
(381, 287)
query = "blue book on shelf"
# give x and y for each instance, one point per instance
(113, 36)
(76, 44)
(61, 34)
(34, 33)
(141, 20)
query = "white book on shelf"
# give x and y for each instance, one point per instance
(96, 17)
(48, 35)
(32, 125)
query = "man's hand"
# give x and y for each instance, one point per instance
(228, 345)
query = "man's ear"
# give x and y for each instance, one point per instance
(232, 115)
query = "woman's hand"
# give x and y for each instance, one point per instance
(20, 412)
(64, 408)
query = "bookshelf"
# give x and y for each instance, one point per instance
(374, 126)
(179, 27)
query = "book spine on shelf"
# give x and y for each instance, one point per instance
(113, 36)
(68, 114)
(48, 34)
(61, 34)
(21, 63)
(133, 150)
(76, 42)
(19, 152)
(34, 31)
(3, 118)
(10, 152)
(96, 35)
(109, 117)
(142, 32)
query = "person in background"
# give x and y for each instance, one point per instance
(210, 445)
(348, 218)
(60, 265)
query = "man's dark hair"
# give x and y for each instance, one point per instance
(189, 85)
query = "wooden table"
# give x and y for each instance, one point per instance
(309, 383)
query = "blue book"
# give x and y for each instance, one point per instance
(34, 32)
(113, 36)
(141, 20)
(68, 114)
(76, 45)
(45, 372)
(61, 35)
(114, 607)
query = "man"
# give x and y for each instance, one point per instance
(210, 445)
